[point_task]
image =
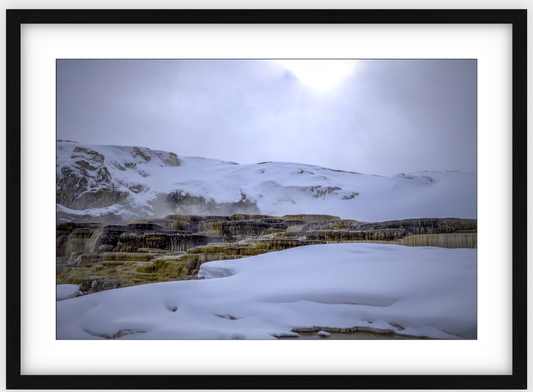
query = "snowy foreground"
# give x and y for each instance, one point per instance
(424, 290)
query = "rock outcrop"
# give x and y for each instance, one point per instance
(93, 285)
(87, 182)
(185, 203)
(90, 178)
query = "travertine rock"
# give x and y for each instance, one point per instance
(308, 218)
(74, 242)
(93, 285)
(453, 240)
(148, 251)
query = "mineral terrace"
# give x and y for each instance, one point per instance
(100, 257)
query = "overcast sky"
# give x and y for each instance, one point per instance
(370, 116)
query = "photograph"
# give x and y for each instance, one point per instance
(266, 199)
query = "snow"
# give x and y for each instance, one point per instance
(66, 291)
(281, 188)
(417, 291)
(323, 334)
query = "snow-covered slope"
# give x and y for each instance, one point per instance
(414, 291)
(99, 182)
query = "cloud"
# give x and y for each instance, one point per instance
(385, 117)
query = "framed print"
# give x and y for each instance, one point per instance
(174, 134)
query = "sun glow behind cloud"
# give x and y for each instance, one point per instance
(321, 75)
(370, 116)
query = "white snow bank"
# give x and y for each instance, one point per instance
(419, 291)
(66, 291)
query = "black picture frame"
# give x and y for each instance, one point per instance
(516, 18)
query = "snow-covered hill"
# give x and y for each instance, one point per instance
(120, 183)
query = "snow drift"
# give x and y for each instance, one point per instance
(413, 291)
